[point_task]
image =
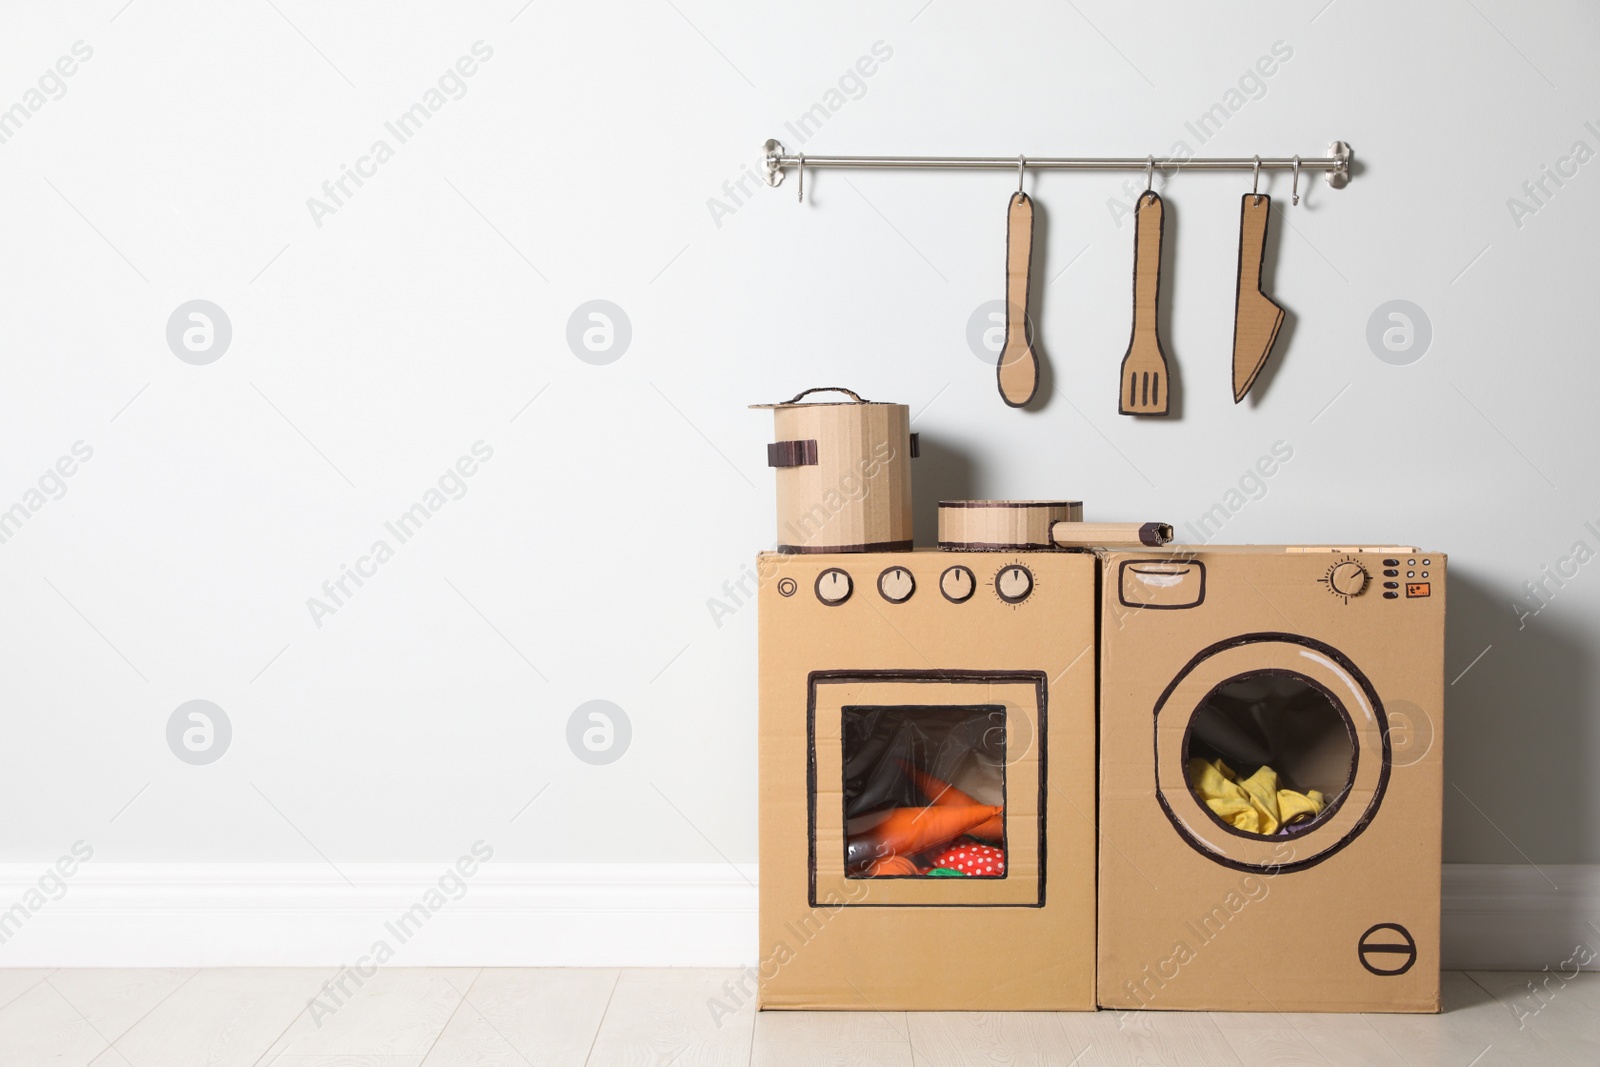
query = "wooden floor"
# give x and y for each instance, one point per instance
(406, 1017)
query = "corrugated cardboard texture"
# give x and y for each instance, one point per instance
(929, 944)
(986, 525)
(1178, 928)
(857, 495)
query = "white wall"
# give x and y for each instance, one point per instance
(372, 350)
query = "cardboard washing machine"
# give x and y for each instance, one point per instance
(1326, 664)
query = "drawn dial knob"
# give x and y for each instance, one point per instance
(957, 584)
(833, 586)
(1014, 583)
(1348, 578)
(896, 585)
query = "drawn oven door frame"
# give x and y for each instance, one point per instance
(1023, 695)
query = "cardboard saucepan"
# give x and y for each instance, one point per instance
(1035, 525)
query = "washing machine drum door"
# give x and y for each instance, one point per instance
(1292, 703)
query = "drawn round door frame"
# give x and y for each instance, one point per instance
(1254, 654)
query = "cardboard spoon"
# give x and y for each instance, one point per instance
(1019, 364)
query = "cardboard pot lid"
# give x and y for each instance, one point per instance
(1010, 503)
(855, 400)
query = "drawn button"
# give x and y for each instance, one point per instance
(1381, 954)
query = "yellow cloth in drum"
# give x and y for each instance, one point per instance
(1255, 804)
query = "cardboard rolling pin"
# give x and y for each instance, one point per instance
(1110, 534)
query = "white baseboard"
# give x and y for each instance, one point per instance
(1512, 916)
(560, 915)
(280, 915)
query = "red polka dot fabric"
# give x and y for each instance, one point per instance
(975, 861)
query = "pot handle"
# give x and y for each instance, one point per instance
(792, 454)
(829, 389)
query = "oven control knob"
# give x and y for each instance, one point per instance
(896, 585)
(1348, 579)
(833, 586)
(1014, 583)
(957, 584)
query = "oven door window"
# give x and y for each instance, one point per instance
(927, 789)
(924, 791)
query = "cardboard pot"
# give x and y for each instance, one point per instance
(844, 474)
(1003, 525)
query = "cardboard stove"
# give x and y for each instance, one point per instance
(983, 765)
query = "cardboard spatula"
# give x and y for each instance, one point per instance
(1145, 383)
(1019, 364)
(1256, 319)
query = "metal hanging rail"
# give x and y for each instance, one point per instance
(1336, 164)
